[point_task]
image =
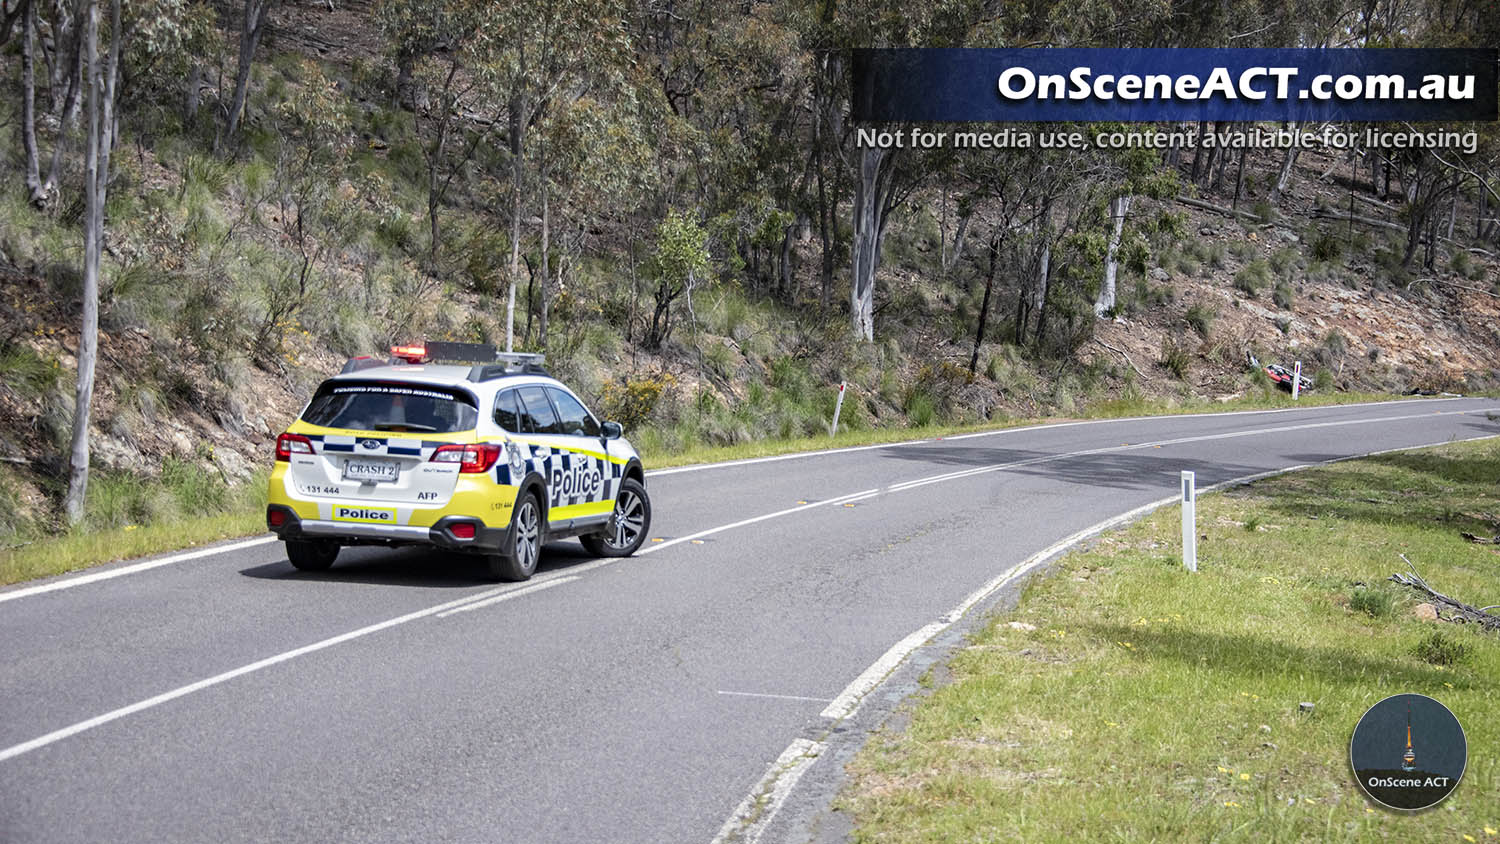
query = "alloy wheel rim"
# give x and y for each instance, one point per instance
(526, 536)
(629, 520)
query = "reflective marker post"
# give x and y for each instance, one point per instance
(1297, 381)
(838, 407)
(1189, 522)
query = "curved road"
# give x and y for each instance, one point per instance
(711, 687)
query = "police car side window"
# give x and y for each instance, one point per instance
(537, 413)
(576, 421)
(507, 415)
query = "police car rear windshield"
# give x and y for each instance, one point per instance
(378, 406)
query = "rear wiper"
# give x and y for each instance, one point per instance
(403, 426)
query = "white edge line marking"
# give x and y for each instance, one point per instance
(788, 769)
(848, 701)
(776, 697)
(759, 808)
(12, 594)
(507, 595)
(698, 467)
(121, 571)
(849, 697)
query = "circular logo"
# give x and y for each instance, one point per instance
(1408, 752)
(369, 445)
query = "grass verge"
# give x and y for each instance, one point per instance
(1135, 701)
(96, 543)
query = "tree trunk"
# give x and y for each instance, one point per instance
(193, 95)
(950, 257)
(1118, 207)
(1198, 153)
(28, 104)
(984, 305)
(515, 111)
(1284, 178)
(66, 85)
(251, 28)
(100, 140)
(541, 320)
(1043, 288)
(868, 224)
(784, 265)
(1239, 182)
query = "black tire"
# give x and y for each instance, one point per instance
(628, 525)
(311, 555)
(526, 533)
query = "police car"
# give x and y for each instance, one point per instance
(489, 456)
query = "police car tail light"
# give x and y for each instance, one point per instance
(470, 458)
(289, 444)
(410, 354)
(463, 530)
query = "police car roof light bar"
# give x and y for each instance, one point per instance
(511, 363)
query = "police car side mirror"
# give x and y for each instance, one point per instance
(611, 430)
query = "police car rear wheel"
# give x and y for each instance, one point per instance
(627, 525)
(526, 543)
(311, 556)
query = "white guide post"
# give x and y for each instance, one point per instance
(1189, 522)
(838, 408)
(1297, 381)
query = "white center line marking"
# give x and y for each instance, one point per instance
(849, 697)
(507, 595)
(777, 697)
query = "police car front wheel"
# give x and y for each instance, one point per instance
(627, 525)
(308, 555)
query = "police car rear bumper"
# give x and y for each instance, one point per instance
(486, 540)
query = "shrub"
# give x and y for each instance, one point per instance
(1217, 256)
(1174, 359)
(1283, 261)
(1253, 277)
(920, 409)
(1283, 296)
(1323, 380)
(1201, 318)
(1440, 649)
(1264, 210)
(1376, 603)
(1327, 248)
(631, 401)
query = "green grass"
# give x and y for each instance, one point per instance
(130, 520)
(1153, 704)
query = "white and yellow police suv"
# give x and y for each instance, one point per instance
(492, 458)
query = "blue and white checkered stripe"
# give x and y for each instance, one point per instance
(373, 446)
(522, 459)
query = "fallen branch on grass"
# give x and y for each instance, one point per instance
(1121, 353)
(1461, 613)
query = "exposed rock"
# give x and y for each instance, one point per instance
(1020, 625)
(233, 463)
(1426, 612)
(117, 454)
(1159, 274)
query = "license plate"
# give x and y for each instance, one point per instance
(371, 471)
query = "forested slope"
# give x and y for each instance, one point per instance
(674, 194)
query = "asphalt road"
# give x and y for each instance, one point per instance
(231, 698)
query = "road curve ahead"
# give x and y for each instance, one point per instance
(399, 697)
